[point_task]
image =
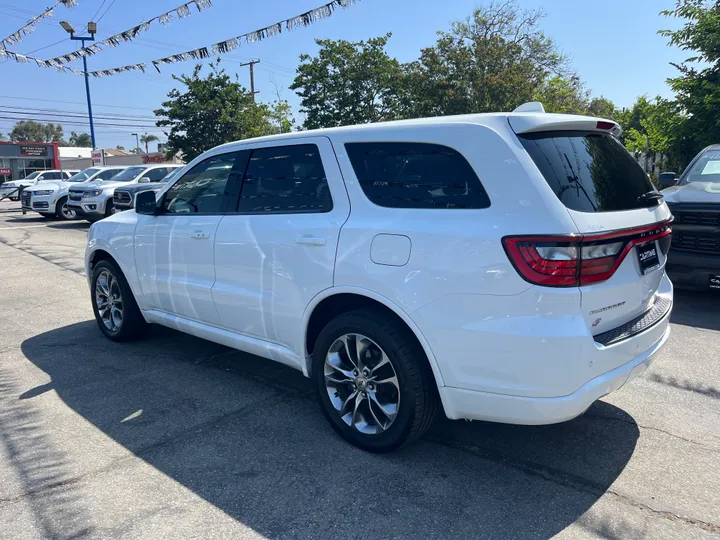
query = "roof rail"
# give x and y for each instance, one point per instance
(531, 106)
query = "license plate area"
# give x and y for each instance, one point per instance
(647, 254)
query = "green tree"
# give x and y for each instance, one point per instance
(31, 131)
(348, 83)
(602, 108)
(495, 60)
(119, 147)
(81, 140)
(697, 87)
(564, 95)
(146, 139)
(209, 111)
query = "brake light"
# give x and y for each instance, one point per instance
(574, 260)
(606, 125)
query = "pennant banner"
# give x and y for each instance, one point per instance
(302, 20)
(179, 12)
(29, 28)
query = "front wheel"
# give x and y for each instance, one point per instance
(116, 312)
(373, 381)
(63, 211)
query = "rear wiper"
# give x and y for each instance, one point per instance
(650, 197)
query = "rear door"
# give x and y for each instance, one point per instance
(616, 209)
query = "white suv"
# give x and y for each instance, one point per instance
(505, 267)
(51, 199)
(11, 187)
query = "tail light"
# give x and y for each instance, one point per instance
(577, 259)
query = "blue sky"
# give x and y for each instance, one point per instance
(613, 45)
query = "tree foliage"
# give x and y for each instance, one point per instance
(212, 110)
(82, 140)
(495, 60)
(31, 131)
(348, 83)
(697, 87)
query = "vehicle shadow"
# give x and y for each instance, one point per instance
(247, 436)
(696, 308)
(74, 224)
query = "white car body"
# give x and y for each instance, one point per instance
(44, 199)
(500, 347)
(93, 201)
(52, 175)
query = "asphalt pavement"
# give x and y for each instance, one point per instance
(176, 437)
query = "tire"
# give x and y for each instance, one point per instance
(109, 208)
(131, 325)
(417, 398)
(62, 211)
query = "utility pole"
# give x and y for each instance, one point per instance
(92, 28)
(137, 141)
(251, 64)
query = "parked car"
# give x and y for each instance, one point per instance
(694, 200)
(504, 267)
(124, 197)
(94, 201)
(50, 199)
(31, 179)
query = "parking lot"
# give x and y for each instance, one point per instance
(175, 437)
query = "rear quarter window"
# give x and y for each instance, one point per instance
(588, 172)
(416, 175)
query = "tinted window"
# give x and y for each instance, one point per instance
(705, 169)
(588, 172)
(129, 174)
(108, 174)
(416, 175)
(202, 189)
(52, 176)
(156, 174)
(285, 179)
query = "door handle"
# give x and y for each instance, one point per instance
(310, 240)
(200, 235)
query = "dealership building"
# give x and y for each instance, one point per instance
(18, 160)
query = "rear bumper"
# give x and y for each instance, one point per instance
(472, 405)
(692, 270)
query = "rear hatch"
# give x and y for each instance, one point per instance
(622, 224)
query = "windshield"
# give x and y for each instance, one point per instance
(82, 175)
(588, 172)
(128, 174)
(33, 175)
(705, 169)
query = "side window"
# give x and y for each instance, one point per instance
(285, 179)
(52, 176)
(202, 189)
(106, 174)
(416, 175)
(156, 174)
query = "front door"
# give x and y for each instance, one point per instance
(174, 250)
(278, 250)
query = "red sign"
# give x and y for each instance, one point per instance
(157, 158)
(4, 171)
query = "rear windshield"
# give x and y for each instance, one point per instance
(588, 172)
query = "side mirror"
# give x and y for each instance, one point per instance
(144, 180)
(667, 179)
(146, 204)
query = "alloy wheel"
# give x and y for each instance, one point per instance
(362, 384)
(108, 300)
(66, 212)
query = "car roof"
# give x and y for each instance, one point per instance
(533, 120)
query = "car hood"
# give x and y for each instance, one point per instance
(14, 183)
(135, 188)
(694, 192)
(102, 185)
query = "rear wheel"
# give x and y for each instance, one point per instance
(62, 211)
(373, 381)
(116, 312)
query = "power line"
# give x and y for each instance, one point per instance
(130, 121)
(108, 9)
(98, 10)
(115, 116)
(75, 103)
(76, 123)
